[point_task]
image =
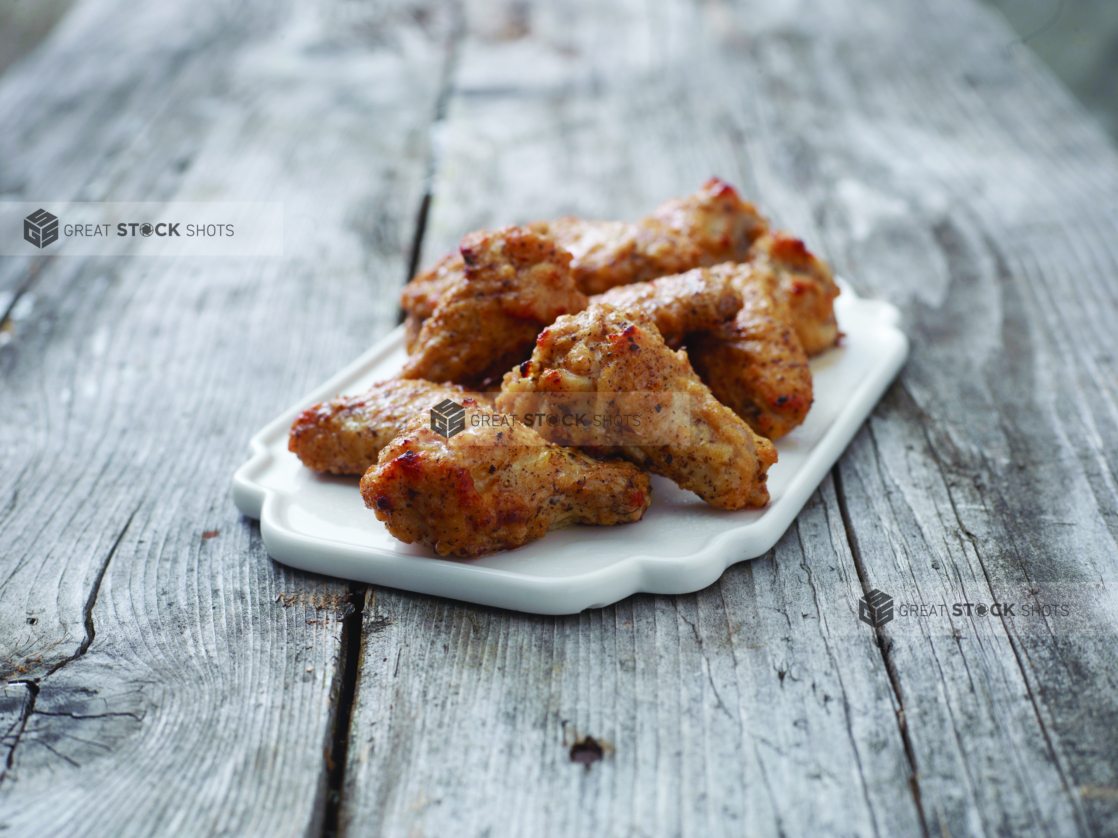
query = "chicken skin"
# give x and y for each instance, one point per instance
(711, 226)
(514, 283)
(696, 301)
(755, 364)
(345, 435)
(716, 220)
(493, 486)
(806, 286)
(604, 379)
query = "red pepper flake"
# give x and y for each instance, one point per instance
(211, 534)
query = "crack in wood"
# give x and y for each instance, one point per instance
(28, 709)
(706, 661)
(846, 709)
(91, 600)
(1006, 627)
(338, 751)
(32, 685)
(885, 645)
(442, 102)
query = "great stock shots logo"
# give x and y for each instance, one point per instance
(141, 228)
(448, 418)
(875, 608)
(40, 228)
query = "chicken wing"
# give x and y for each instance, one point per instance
(514, 283)
(494, 486)
(755, 364)
(716, 220)
(714, 225)
(806, 286)
(605, 379)
(345, 435)
(696, 301)
(609, 253)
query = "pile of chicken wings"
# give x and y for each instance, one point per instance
(586, 355)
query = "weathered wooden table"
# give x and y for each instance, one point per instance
(165, 677)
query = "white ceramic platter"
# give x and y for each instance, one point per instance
(321, 524)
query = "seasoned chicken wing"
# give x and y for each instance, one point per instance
(807, 287)
(345, 435)
(605, 379)
(422, 294)
(755, 364)
(717, 220)
(609, 253)
(514, 283)
(696, 301)
(494, 486)
(714, 225)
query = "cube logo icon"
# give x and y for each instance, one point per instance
(40, 228)
(875, 608)
(448, 418)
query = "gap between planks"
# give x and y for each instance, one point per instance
(359, 594)
(884, 644)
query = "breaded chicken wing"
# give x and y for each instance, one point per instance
(755, 364)
(613, 385)
(806, 286)
(514, 283)
(714, 225)
(494, 486)
(696, 301)
(345, 435)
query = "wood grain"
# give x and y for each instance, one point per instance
(906, 146)
(164, 675)
(748, 708)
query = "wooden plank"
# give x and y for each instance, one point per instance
(933, 183)
(758, 706)
(165, 676)
(935, 168)
(742, 709)
(973, 198)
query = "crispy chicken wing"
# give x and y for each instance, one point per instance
(345, 435)
(717, 220)
(494, 486)
(755, 364)
(714, 225)
(422, 294)
(696, 301)
(806, 286)
(609, 253)
(605, 379)
(514, 283)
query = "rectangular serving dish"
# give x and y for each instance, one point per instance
(320, 523)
